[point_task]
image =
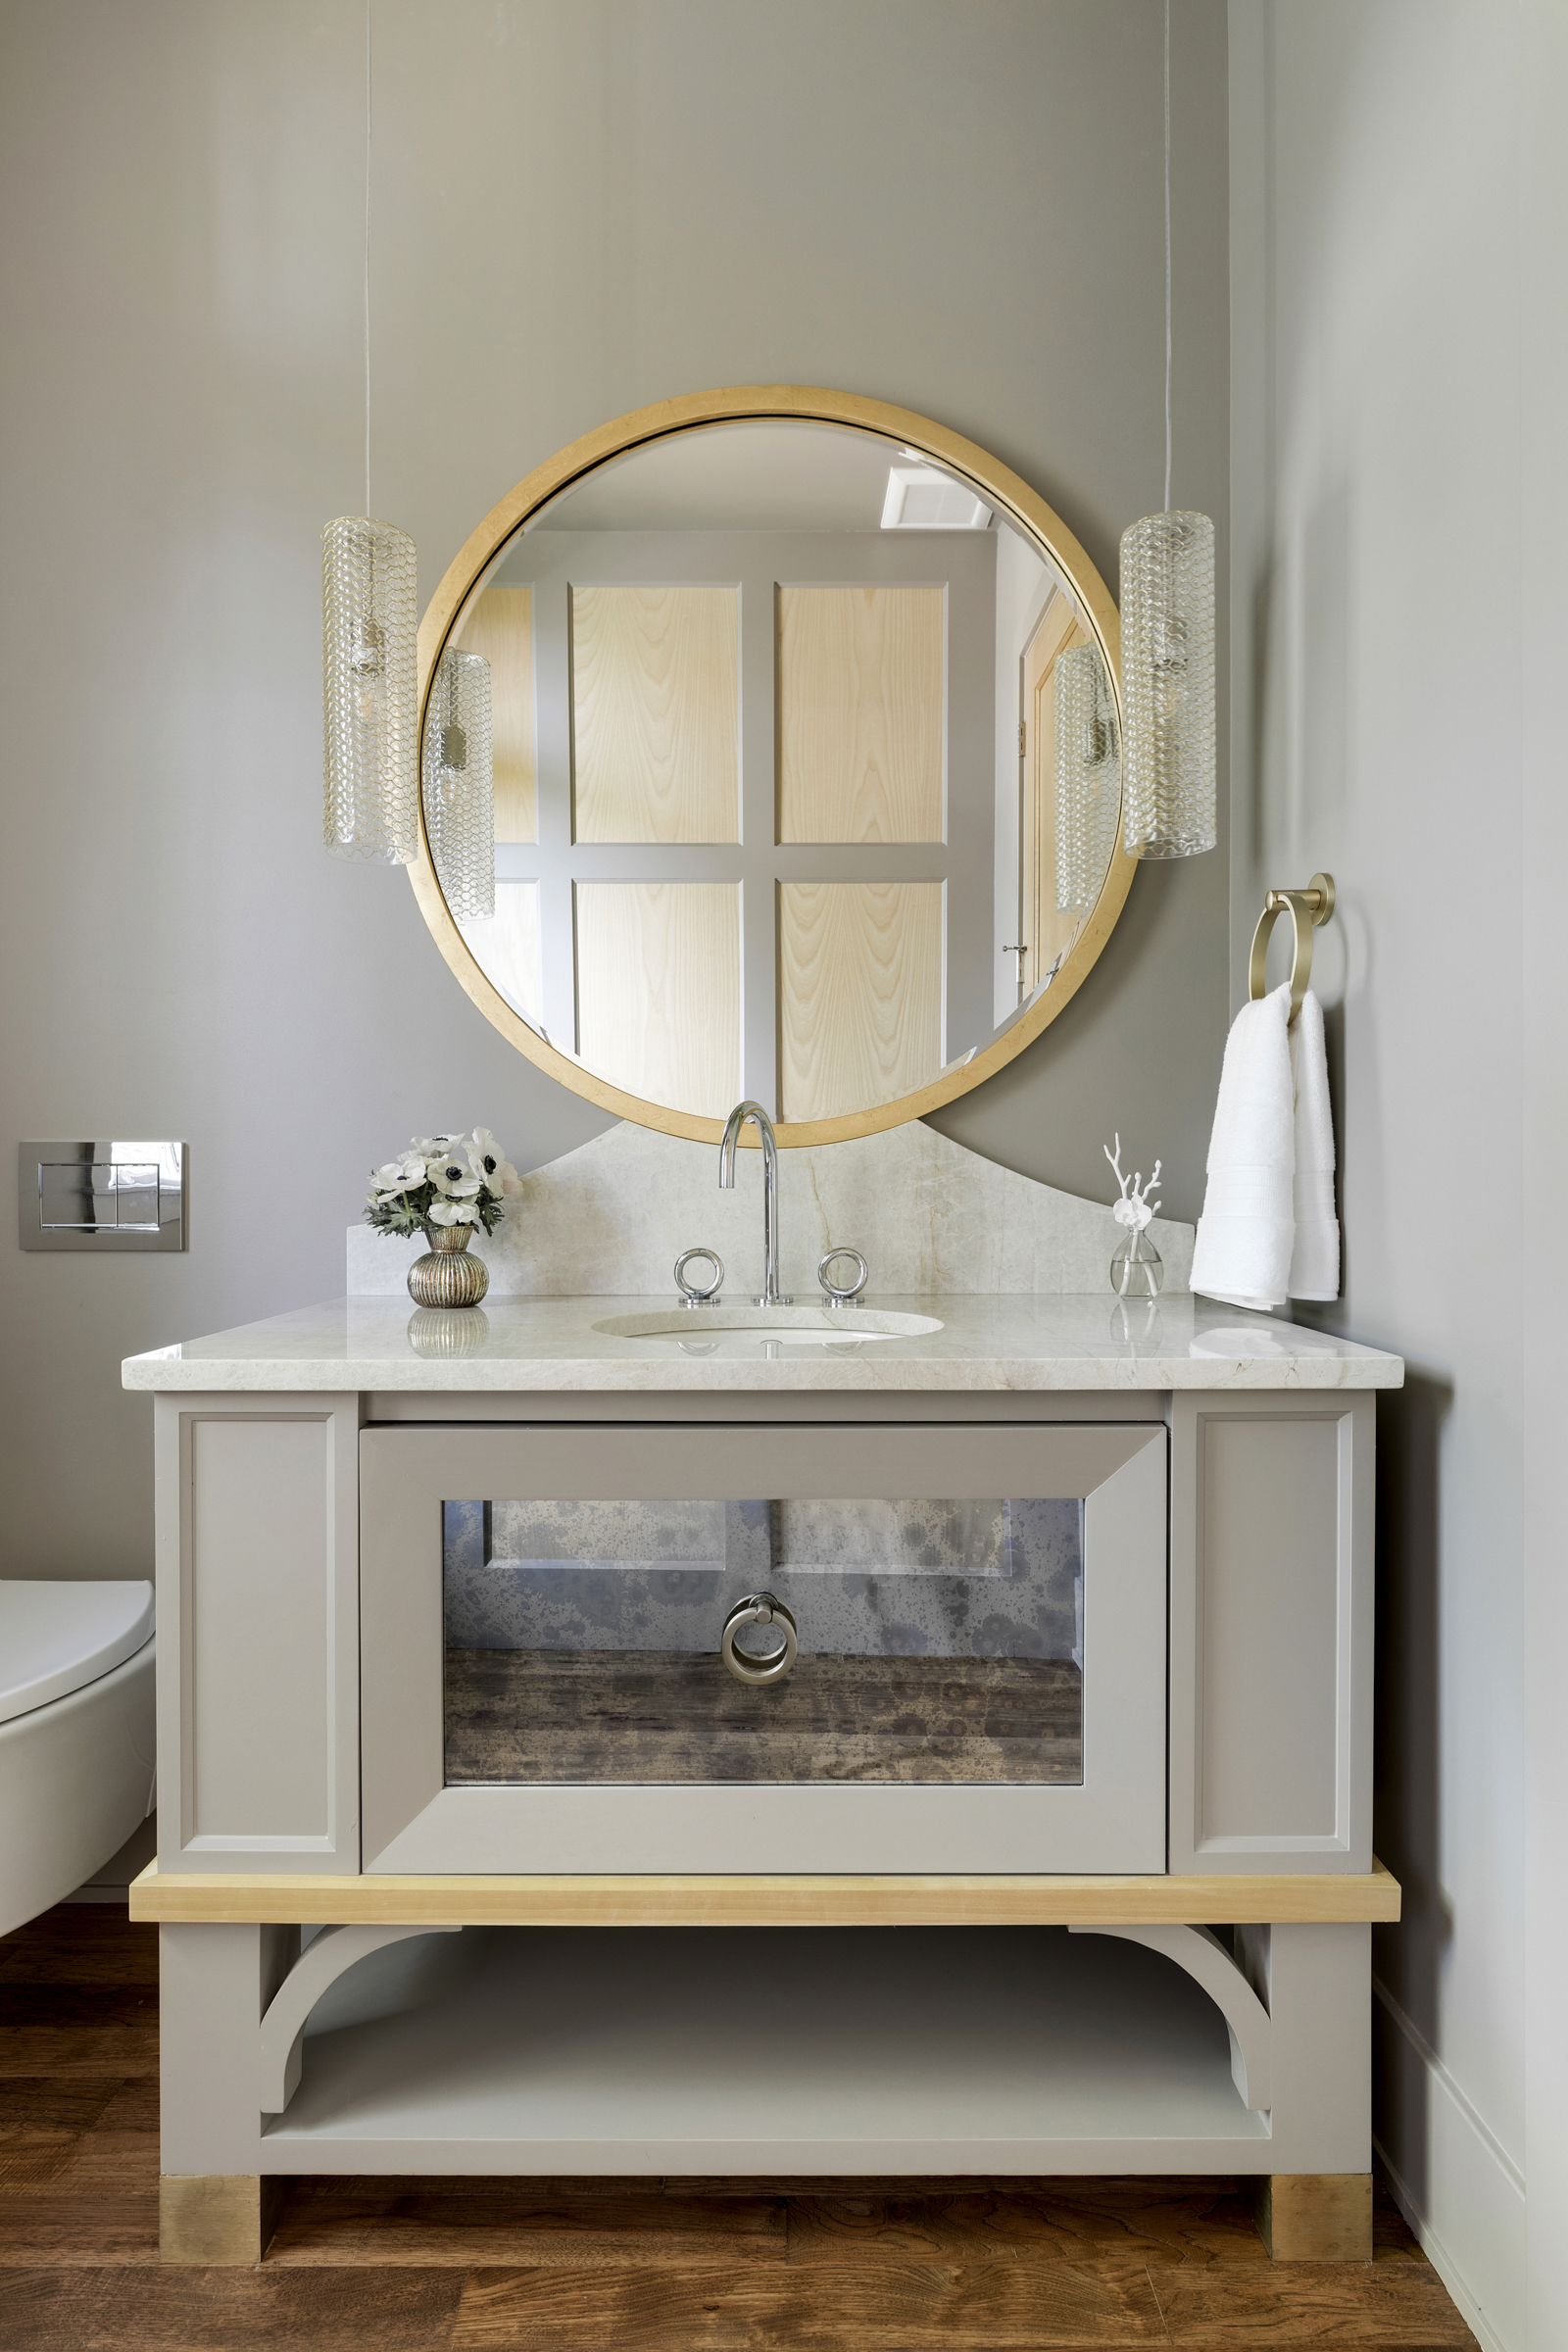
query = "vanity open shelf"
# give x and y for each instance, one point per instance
(720, 2050)
(1053, 1854)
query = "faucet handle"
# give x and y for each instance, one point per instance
(696, 1294)
(842, 1294)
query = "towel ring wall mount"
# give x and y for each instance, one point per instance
(1307, 910)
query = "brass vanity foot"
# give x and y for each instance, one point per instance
(219, 2218)
(1313, 2217)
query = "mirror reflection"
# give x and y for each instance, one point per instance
(806, 770)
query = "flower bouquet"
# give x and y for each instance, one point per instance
(444, 1185)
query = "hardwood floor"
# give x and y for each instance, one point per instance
(611, 2266)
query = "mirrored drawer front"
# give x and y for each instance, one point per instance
(938, 1640)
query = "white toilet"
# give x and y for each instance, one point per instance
(76, 1725)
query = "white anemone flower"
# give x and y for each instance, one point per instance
(489, 1162)
(403, 1175)
(430, 1146)
(454, 1212)
(450, 1178)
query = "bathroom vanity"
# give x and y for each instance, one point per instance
(1052, 1853)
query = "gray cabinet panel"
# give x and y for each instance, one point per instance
(1271, 1632)
(259, 1623)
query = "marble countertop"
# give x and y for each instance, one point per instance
(1081, 1340)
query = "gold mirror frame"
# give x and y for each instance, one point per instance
(1004, 492)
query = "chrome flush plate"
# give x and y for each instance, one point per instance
(106, 1195)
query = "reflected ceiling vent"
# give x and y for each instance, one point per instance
(919, 499)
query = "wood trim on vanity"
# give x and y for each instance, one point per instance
(241, 1897)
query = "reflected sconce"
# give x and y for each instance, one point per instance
(370, 595)
(459, 785)
(1167, 652)
(1167, 657)
(1088, 776)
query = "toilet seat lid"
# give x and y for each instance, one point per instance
(56, 1636)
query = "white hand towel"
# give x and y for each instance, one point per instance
(1248, 1228)
(1315, 1257)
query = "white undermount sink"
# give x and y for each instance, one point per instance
(793, 1326)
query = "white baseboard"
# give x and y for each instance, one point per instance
(1455, 2183)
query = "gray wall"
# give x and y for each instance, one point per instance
(579, 207)
(1401, 334)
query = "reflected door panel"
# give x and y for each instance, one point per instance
(862, 713)
(655, 704)
(860, 993)
(659, 989)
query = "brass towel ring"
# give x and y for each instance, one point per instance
(1317, 904)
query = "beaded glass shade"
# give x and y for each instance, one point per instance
(370, 595)
(1167, 668)
(1088, 776)
(459, 790)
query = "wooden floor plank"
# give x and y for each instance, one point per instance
(45, 2229)
(110, 2164)
(31, 2159)
(1393, 2239)
(67, 2052)
(80, 1943)
(230, 2310)
(512, 2228)
(44, 2103)
(24, 2007)
(1390, 2305)
(1016, 2305)
(133, 2107)
(1163, 2221)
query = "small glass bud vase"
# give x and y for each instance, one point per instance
(1137, 1268)
(449, 1274)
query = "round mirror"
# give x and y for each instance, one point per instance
(804, 725)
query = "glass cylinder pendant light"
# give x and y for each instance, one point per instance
(369, 597)
(1167, 659)
(1167, 652)
(459, 785)
(1088, 776)
(369, 625)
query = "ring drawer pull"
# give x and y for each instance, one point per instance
(758, 1608)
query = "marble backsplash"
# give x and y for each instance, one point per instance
(610, 1219)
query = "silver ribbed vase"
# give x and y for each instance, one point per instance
(449, 1274)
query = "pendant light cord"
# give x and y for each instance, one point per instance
(368, 248)
(1167, 265)
(1167, 270)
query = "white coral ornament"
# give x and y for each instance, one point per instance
(1134, 1209)
(1136, 1269)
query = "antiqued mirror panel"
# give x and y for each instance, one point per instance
(936, 1641)
(807, 770)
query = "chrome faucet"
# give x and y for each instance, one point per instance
(771, 1294)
